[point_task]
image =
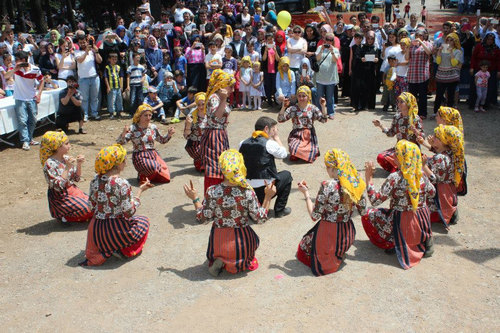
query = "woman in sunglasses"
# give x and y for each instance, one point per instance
(297, 49)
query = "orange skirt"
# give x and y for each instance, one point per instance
(234, 246)
(150, 165)
(445, 203)
(303, 144)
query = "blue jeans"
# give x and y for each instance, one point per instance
(327, 91)
(115, 101)
(26, 112)
(89, 88)
(136, 97)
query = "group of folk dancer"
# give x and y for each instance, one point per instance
(421, 189)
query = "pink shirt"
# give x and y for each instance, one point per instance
(270, 61)
(482, 79)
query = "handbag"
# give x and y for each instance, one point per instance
(315, 65)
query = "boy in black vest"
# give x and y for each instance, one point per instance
(259, 152)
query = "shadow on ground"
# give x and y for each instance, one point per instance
(50, 226)
(200, 273)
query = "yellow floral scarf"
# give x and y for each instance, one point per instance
(306, 90)
(349, 179)
(453, 138)
(51, 141)
(201, 96)
(411, 102)
(452, 117)
(410, 161)
(284, 61)
(108, 157)
(219, 80)
(140, 110)
(233, 168)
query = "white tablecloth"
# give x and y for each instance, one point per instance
(49, 104)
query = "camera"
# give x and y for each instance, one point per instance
(73, 85)
(327, 46)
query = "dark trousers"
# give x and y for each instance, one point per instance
(346, 84)
(269, 86)
(419, 90)
(368, 91)
(283, 187)
(441, 88)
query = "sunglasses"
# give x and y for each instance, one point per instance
(329, 40)
(297, 32)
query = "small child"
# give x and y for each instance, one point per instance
(167, 91)
(136, 75)
(155, 102)
(389, 78)
(165, 65)
(250, 51)
(49, 84)
(230, 65)
(113, 77)
(213, 60)
(423, 14)
(180, 63)
(180, 81)
(245, 78)
(481, 79)
(407, 10)
(257, 86)
(186, 105)
(7, 72)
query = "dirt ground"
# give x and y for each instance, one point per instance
(168, 286)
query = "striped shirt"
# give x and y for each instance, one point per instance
(113, 74)
(136, 73)
(24, 83)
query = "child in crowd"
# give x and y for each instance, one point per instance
(113, 77)
(481, 79)
(180, 61)
(180, 81)
(156, 104)
(167, 91)
(306, 75)
(213, 60)
(250, 51)
(230, 66)
(49, 84)
(7, 72)
(136, 75)
(186, 105)
(389, 78)
(166, 62)
(245, 78)
(257, 86)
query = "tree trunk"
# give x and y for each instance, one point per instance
(50, 20)
(20, 16)
(38, 16)
(71, 17)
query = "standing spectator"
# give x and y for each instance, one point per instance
(7, 72)
(345, 52)
(270, 59)
(66, 62)
(487, 50)
(154, 58)
(402, 57)
(481, 80)
(113, 78)
(407, 10)
(387, 10)
(88, 80)
(297, 49)
(180, 9)
(237, 45)
(369, 6)
(196, 72)
(136, 74)
(418, 71)
(327, 77)
(423, 14)
(48, 61)
(70, 107)
(449, 59)
(26, 97)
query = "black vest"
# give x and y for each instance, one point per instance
(259, 163)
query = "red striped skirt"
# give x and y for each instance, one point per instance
(150, 165)
(387, 159)
(115, 234)
(406, 231)
(445, 203)
(324, 246)
(303, 144)
(72, 204)
(234, 246)
(194, 150)
(212, 144)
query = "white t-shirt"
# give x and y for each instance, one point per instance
(30, 48)
(25, 83)
(390, 50)
(209, 58)
(64, 73)
(296, 58)
(86, 68)
(401, 70)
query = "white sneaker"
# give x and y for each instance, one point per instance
(26, 146)
(34, 143)
(86, 118)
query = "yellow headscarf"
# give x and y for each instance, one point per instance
(219, 80)
(284, 61)
(246, 59)
(306, 90)
(108, 157)
(349, 179)
(51, 141)
(406, 41)
(456, 39)
(201, 96)
(140, 110)
(410, 159)
(411, 102)
(233, 168)
(453, 138)
(452, 117)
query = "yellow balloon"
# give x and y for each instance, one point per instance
(284, 19)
